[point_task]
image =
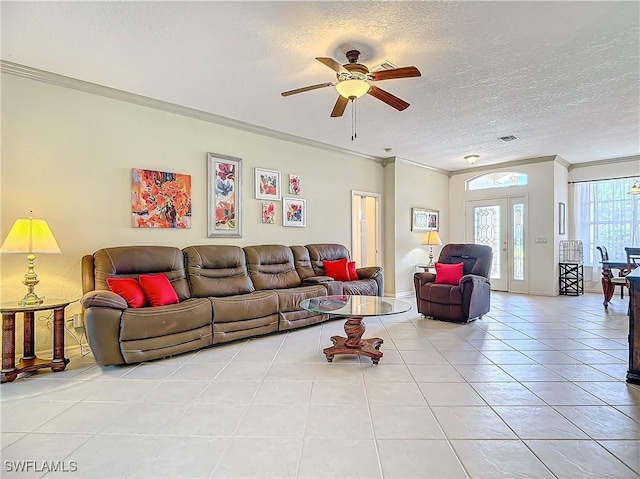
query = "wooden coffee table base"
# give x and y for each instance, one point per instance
(354, 344)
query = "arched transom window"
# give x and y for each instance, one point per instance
(502, 179)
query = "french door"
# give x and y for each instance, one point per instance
(500, 223)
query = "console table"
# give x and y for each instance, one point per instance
(633, 375)
(29, 361)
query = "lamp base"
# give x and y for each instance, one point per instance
(31, 299)
(430, 264)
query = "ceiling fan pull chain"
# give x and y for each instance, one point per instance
(354, 133)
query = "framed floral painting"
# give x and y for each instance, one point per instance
(268, 185)
(160, 199)
(294, 212)
(294, 185)
(268, 212)
(224, 195)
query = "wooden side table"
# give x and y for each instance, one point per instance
(29, 361)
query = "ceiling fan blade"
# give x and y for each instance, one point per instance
(388, 98)
(306, 88)
(333, 64)
(403, 72)
(339, 107)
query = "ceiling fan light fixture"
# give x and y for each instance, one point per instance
(635, 189)
(471, 159)
(352, 88)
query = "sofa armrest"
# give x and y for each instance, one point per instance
(423, 278)
(103, 299)
(473, 281)
(333, 287)
(368, 272)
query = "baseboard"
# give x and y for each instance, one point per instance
(404, 294)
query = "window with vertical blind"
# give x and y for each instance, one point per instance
(605, 215)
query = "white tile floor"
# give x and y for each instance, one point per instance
(534, 389)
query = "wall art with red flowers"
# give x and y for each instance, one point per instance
(294, 212)
(294, 184)
(224, 195)
(268, 186)
(268, 212)
(160, 199)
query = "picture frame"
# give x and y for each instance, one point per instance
(224, 196)
(268, 212)
(268, 184)
(160, 199)
(425, 219)
(562, 218)
(294, 185)
(294, 212)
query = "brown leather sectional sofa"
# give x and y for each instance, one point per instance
(225, 293)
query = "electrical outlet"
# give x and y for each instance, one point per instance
(77, 321)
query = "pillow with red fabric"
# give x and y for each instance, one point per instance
(449, 273)
(353, 274)
(129, 289)
(338, 270)
(158, 289)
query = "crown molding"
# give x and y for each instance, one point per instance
(31, 73)
(420, 165)
(510, 164)
(610, 161)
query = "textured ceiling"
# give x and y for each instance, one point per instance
(564, 77)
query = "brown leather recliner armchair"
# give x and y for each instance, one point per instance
(468, 300)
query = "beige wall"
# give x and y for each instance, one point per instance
(541, 212)
(67, 155)
(413, 187)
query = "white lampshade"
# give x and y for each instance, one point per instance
(431, 238)
(29, 235)
(635, 189)
(352, 88)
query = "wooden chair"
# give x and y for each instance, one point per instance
(619, 280)
(633, 258)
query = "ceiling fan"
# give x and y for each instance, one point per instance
(354, 80)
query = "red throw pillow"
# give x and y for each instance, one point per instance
(337, 269)
(449, 273)
(353, 274)
(129, 289)
(158, 289)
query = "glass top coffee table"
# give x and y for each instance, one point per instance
(355, 308)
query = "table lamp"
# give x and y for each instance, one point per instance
(29, 235)
(431, 238)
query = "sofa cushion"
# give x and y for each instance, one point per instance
(158, 289)
(441, 293)
(144, 323)
(132, 261)
(449, 273)
(290, 299)
(129, 289)
(217, 270)
(271, 267)
(244, 307)
(338, 269)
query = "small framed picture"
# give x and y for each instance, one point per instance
(294, 185)
(424, 220)
(268, 212)
(224, 196)
(268, 186)
(294, 212)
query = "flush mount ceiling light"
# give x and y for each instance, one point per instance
(635, 189)
(352, 88)
(471, 159)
